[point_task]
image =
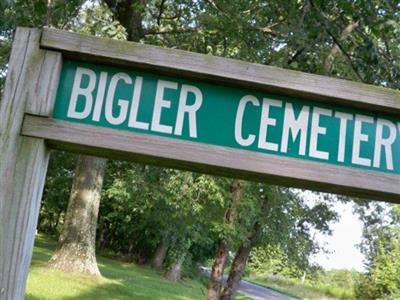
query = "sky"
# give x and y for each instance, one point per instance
(342, 243)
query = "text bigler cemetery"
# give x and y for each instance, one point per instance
(227, 116)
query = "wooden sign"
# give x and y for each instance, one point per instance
(186, 110)
(235, 118)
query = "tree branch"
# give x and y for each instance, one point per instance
(295, 55)
(71, 17)
(337, 42)
(268, 29)
(346, 54)
(161, 10)
(215, 5)
(49, 13)
(337, 48)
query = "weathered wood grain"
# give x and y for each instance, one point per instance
(30, 87)
(213, 159)
(222, 70)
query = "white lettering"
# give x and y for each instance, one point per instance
(98, 105)
(386, 143)
(344, 118)
(239, 121)
(295, 127)
(122, 103)
(317, 130)
(191, 110)
(161, 103)
(265, 122)
(358, 138)
(137, 90)
(77, 91)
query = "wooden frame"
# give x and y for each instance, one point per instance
(223, 70)
(211, 159)
(31, 85)
(27, 131)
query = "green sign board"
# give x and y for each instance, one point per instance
(132, 100)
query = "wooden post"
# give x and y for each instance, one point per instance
(31, 85)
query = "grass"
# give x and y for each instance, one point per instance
(120, 281)
(303, 290)
(242, 297)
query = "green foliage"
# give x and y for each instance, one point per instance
(5, 48)
(381, 247)
(97, 19)
(130, 191)
(345, 279)
(31, 13)
(290, 220)
(56, 192)
(39, 13)
(300, 35)
(324, 287)
(142, 205)
(382, 281)
(270, 259)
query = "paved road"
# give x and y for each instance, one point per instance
(257, 292)
(254, 291)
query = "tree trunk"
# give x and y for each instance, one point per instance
(214, 286)
(161, 253)
(130, 14)
(174, 274)
(76, 252)
(76, 249)
(239, 263)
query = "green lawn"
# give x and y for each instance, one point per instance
(120, 281)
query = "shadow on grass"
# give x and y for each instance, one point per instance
(85, 292)
(43, 250)
(105, 291)
(144, 283)
(124, 286)
(120, 281)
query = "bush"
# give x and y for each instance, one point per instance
(383, 278)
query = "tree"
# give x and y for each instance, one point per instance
(195, 199)
(169, 207)
(129, 14)
(77, 242)
(76, 252)
(217, 271)
(277, 218)
(239, 262)
(381, 247)
(30, 13)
